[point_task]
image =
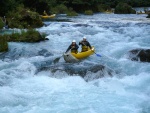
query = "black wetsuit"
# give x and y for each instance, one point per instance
(85, 43)
(74, 48)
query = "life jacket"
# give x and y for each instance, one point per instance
(74, 50)
(84, 47)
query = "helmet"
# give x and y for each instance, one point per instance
(84, 37)
(74, 41)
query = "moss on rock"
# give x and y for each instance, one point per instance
(25, 36)
(124, 8)
(72, 13)
(3, 44)
(88, 12)
(24, 18)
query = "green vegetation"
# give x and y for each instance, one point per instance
(123, 8)
(25, 36)
(88, 12)
(72, 13)
(1, 23)
(103, 7)
(3, 44)
(59, 9)
(62, 6)
(23, 18)
(30, 35)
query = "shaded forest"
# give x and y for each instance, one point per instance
(76, 5)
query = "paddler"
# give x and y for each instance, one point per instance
(85, 44)
(74, 47)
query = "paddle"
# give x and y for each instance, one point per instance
(97, 54)
(57, 59)
(93, 51)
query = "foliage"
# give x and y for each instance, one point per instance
(7, 5)
(88, 12)
(23, 18)
(3, 44)
(123, 8)
(40, 5)
(72, 13)
(30, 35)
(59, 9)
(61, 6)
(1, 23)
(103, 8)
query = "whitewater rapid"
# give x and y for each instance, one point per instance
(28, 85)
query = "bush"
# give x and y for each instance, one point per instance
(3, 44)
(24, 18)
(88, 12)
(103, 8)
(59, 9)
(1, 23)
(123, 8)
(26, 36)
(72, 13)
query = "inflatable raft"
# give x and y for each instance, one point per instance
(49, 16)
(75, 57)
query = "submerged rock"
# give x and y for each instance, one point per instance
(24, 52)
(142, 55)
(88, 71)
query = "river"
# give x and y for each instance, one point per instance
(30, 82)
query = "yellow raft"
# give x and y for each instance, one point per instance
(75, 57)
(48, 16)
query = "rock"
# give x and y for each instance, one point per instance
(88, 12)
(142, 55)
(87, 71)
(72, 13)
(3, 44)
(30, 35)
(124, 8)
(148, 16)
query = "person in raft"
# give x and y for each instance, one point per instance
(44, 13)
(85, 44)
(74, 47)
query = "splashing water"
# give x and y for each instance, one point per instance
(27, 84)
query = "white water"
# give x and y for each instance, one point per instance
(23, 89)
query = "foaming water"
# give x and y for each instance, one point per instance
(30, 82)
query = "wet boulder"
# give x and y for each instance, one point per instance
(88, 71)
(148, 15)
(124, 8)
(3, 44)
(30, 35)
(142, 55)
